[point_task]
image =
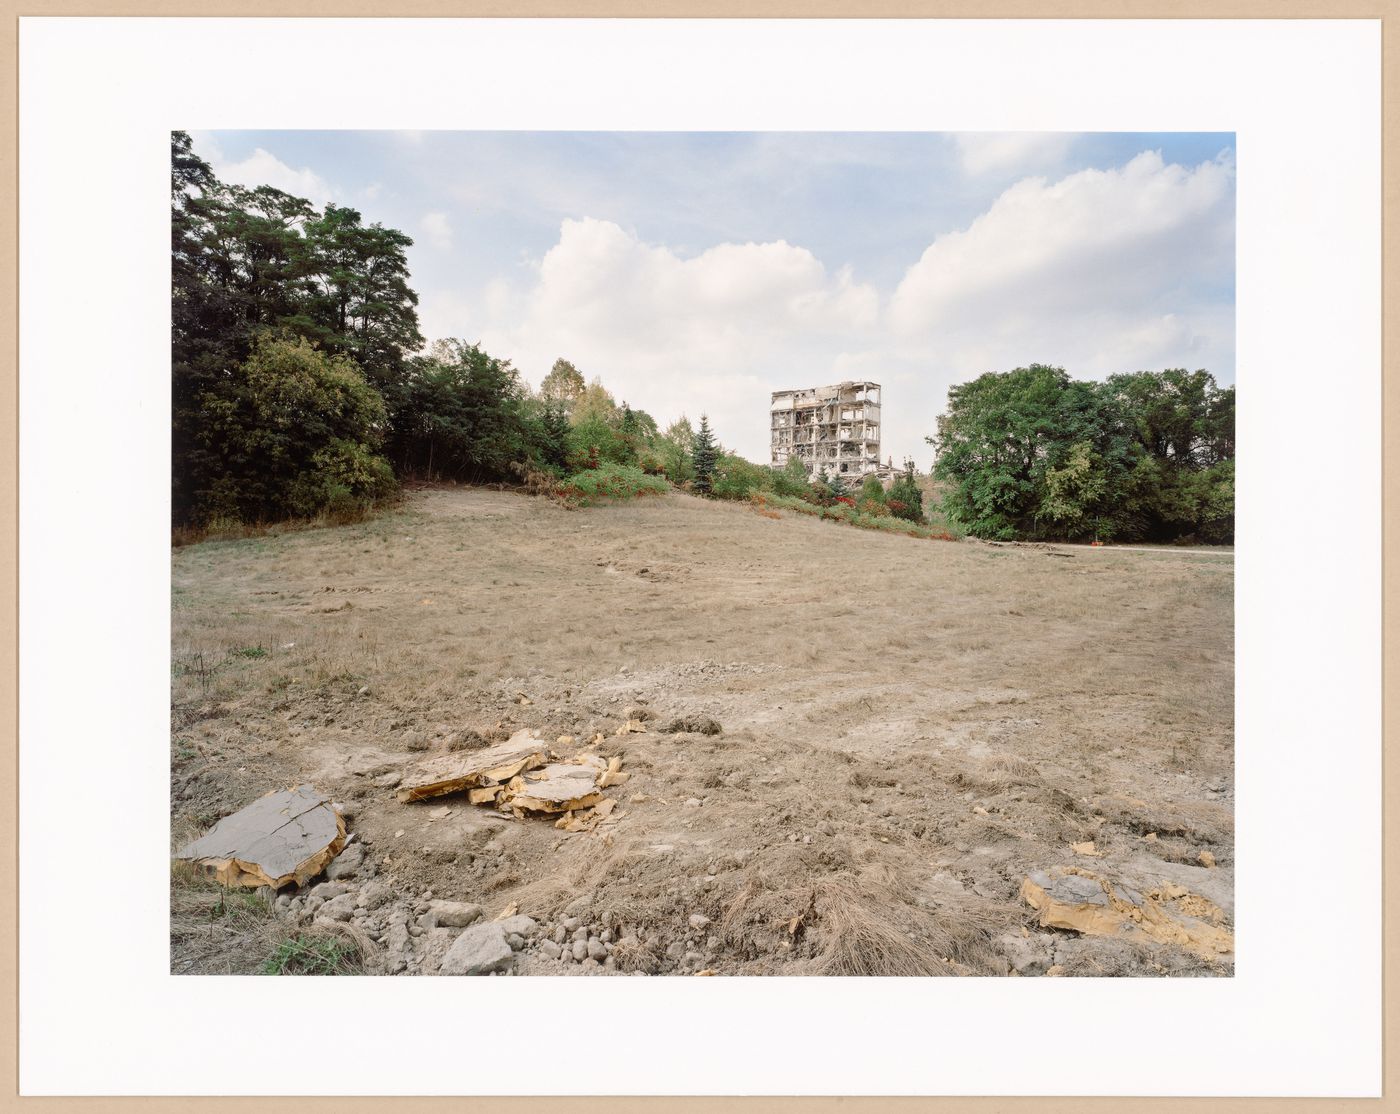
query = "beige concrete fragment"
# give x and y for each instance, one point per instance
(558, 787)
(1081, 901)
(280, 838)
(452, 773)
(613, 775)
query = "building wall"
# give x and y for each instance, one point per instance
(837, 425)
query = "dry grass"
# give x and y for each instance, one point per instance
(874, 694)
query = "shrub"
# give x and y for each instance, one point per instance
(843, 510)
(296, 433)
(872, 491)
(611, 481)
(905, 499)
(791, 479)
(592, 442)
(736, 478)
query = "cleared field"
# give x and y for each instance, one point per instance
(910, 728)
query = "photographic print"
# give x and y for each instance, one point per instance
(702, 553)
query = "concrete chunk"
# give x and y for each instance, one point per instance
(478, 951)
(278, 839)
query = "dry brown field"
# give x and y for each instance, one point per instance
(910, 728)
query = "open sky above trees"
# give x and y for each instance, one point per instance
(699, 272)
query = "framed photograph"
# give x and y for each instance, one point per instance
(844, 552)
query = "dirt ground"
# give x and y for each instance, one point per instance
(909, 729)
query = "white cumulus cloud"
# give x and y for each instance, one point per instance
(262, 168)
(1128, 240)
(1017, 153)
(438, 230)
(713, 332)
(1101, 271)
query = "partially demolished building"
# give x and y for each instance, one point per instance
(837, 426)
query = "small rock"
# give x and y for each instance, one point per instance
(579, 906)
(1205, 858)
(520, 924)
(610, 964)
(580, 950)
(327, 890)
(453, 914)
(374, 895)
(580, 933)
(570, 923)
(550, 948)
(478, 951)
(698, 920)
(389, 780)
(693, 802)
(337, 909)
(597, 950)
(515, 940)
(1026, 956)
(561, 935)
(347, 864)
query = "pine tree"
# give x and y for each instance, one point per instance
(704, 456)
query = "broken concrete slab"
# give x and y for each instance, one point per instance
(462, 770)
(478, 951)
(1080, 901)
(558, 787)
(283, 837)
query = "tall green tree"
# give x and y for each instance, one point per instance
(704, 456)
(564, 384)
(463, 415)
(245, 262)
(295, 431)
(676, 447)
(1032, 453)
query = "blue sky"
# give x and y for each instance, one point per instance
(700, 271)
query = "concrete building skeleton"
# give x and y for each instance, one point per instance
(838, 426)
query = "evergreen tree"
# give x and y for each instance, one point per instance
(704, 456)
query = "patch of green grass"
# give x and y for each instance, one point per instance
(258, 651)
(312, 955)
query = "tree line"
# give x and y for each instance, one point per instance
(302, 387)
(300, 381)
(1142, 456)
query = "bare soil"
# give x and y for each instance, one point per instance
(910, 727)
